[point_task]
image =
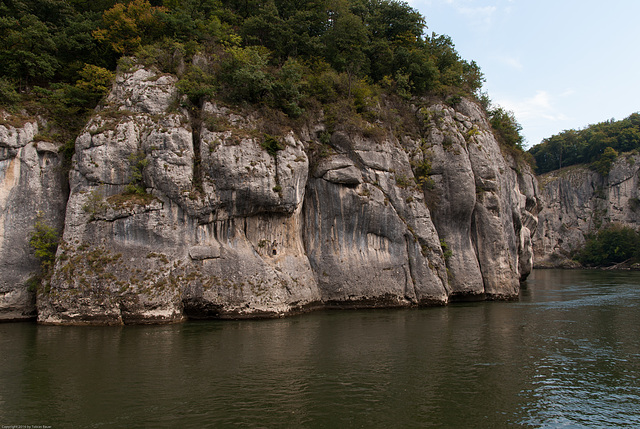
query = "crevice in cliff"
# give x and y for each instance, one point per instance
(474, 242)
(195, 118)
(621, 181)
(410, 294)
(278, 187)
(273, 145)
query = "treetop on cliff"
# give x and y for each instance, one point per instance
(288, 55)
(46, 41)
(596, 144)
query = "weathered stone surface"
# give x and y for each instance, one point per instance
(345, 176)
(479, 198)
(220, 240)
(143, 91)
(200, 253)
(31, 184)
(578, 201)
(231, 225)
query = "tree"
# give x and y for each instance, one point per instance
(244, 71)
(604, 163)
(613, 244)
(44, 242)
(95, 82)
(27, 51)
(287, 88)
(391, 20)
(197, 85)
(126, 27)
(345, 41)
(8, 94)
(505, 124)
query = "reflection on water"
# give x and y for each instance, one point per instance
(566, 355)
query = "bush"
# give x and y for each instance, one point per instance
(271, 144)
(506, 126)
(422, 173)
(245, 73)
(168, 56)
(287, 88)
(95, 82)
(323, 82)
(446, 250)
(44, 241)
(197, 85)
(611, 245)
(138, 162)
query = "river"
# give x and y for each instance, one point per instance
(566, 355)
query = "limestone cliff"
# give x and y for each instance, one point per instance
(177, 213)
(578, 201)
(31, 184)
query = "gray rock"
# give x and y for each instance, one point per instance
(478, 200)
(200, 253)
(226, 229)
(346, 176)
(32, 188)
(578, 202)
(333, 162)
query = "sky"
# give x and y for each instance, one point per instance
(557, 64)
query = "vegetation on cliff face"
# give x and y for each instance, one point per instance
(44, 241)
(57, 57)
(596, 144)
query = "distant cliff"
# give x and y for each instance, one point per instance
(201, 213)
(579, 201)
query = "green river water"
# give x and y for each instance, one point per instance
(566, 355)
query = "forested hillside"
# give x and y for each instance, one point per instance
(597, 144)
(58, 57)
(53, 41)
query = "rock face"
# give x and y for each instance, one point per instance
(32, 184)
(578, 201)
(484, 204)
(176, 214)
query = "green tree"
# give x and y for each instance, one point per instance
(604, 163)
(613, 244)
(345, 40)
(507, 127)
(126, 27)
(391, 20)
(287, 88)
(8, 94)
(95, 82)
(27, 50)
(197, 84)
(187, 20)
(44, 242)
(244, 71)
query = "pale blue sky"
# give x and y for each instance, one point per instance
(557, 64)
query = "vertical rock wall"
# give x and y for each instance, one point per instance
(578, 201)
(484, 203)
(31, 184)
(177, 214)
